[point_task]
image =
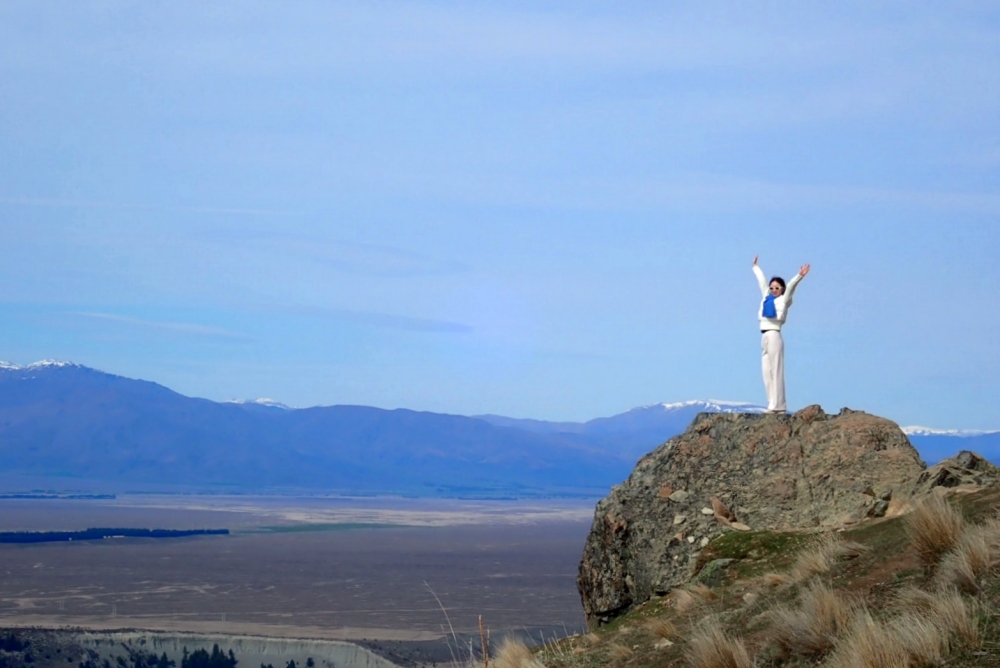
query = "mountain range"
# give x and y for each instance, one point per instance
(72, 424)
(936, 444)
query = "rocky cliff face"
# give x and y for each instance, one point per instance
(731, 472)
(65, 648)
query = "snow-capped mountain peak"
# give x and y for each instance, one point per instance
(262, 401)
(928, 431)
(42, 364)
(710, 405)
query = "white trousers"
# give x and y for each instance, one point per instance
(773, 366)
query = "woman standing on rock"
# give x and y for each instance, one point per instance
(772, 314)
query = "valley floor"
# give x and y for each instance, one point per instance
(337, 569)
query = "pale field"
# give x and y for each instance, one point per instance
(288, 570)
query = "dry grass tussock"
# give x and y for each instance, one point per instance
(710, 647)
(771, 580)
(934, 528)
(702, 592)
(691, 599)
(952, 614)
(976, 554)
(822, 557)
(812, 628)
(869, 644)
(920, 638)
(661, 627)
(513, 653)
(919, 634)
(620, 651)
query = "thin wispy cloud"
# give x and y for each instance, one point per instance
(225, 38)
(91, 204)
(358, 258)
(185, 328)
(692, 192)
(381, 320)
(716, 192)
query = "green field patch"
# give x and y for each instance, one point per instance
(316, 527)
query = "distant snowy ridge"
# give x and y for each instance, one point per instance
(263, 401)
(928, 431)
(709, 405)
(655, 411)
(35, 365)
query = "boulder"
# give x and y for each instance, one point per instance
(778, 472)
(966, 471)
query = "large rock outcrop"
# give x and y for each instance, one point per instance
(965, 472)
(737, 472)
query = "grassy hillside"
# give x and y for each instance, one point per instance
(921, 589)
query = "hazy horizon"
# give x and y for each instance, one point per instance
(914, 429)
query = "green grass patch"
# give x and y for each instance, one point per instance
(881, 535)
(756, 551)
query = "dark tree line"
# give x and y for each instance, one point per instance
(199, 658)
(136, 659)
(291, 664)
(202, 659)
(98, 534)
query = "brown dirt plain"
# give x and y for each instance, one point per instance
(327, 568)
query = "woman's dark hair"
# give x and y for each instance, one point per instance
(779, 280)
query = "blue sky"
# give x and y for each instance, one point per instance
(535, 209)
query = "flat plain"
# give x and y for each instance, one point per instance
(331, 568)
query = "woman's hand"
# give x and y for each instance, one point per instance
(755, 260)
(803, 270)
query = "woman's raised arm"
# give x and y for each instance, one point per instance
(792, 284)
(761, 279)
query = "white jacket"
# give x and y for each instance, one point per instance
(781, 303)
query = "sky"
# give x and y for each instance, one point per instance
(535, 209)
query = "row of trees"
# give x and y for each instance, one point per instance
(202, 659)
(291, 664)
(199, 658)
(136, 659)
(98, 534)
